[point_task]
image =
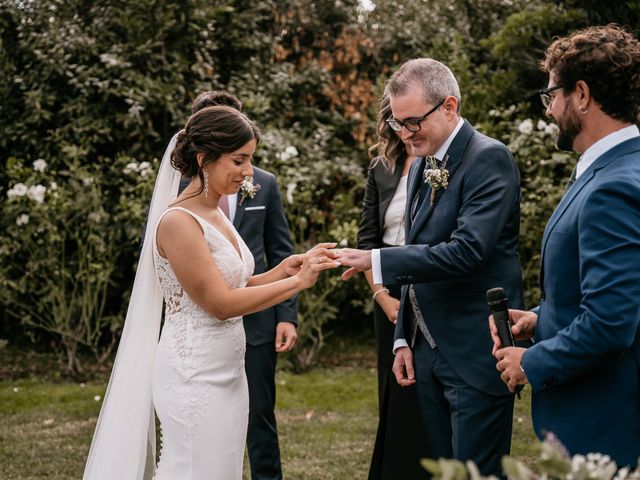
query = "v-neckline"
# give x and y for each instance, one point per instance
(233, 231)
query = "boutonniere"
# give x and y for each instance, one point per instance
(248, 189)
(436, 176)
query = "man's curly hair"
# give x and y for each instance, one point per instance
(607, 59)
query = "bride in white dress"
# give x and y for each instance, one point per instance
(198, 383)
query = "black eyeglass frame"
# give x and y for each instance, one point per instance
(396, 125)
(545, 98)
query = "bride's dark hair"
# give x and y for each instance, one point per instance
(212, 131)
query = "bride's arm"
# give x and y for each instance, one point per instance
(182, 243)
(291, 265)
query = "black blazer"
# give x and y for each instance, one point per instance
(381, 186)
(262, 224)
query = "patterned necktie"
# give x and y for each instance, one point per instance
(424, 187)
(223, 203)
(572, 180)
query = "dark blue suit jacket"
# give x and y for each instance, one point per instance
(457, 249)
(584, 366)
(262, 224)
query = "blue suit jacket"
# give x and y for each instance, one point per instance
(457, 249)
(584, 366)
(262, 224)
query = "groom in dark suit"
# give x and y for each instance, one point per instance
(258, 214)
(462, 230)
(584, 367)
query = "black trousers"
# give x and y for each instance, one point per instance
(400, 440)
(460, 421)
(262, 435)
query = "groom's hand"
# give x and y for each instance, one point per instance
(403, 367)
(358, 260)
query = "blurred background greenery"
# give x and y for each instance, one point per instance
(92, 91)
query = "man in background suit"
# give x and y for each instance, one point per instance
(584, 367)
(260, 219)
(461, 240)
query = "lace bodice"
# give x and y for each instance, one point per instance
(235, 270)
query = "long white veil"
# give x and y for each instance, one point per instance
(124, 441)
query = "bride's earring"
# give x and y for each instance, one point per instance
(205, 173)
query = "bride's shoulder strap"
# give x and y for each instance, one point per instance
(195, 216)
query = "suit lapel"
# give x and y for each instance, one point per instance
(240, 205)
(455, 155)
(414, 182)
(602, 161)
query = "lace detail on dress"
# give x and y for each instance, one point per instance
(199, 371)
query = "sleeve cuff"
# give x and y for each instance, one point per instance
(399, 343)
(376, 268)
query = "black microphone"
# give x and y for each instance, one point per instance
(497, 301)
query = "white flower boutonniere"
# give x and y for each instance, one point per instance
(248, 189)
(436, 177)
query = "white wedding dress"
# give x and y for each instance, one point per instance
(199, 384)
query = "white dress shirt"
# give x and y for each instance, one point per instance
(603, 145)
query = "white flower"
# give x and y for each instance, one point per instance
(288, 153)
(97, 398)
(343, 243)
(290, 189)
(551, 129)
(87, 181)
(18, 190)
(526, 126)
(36, 193)
(15, 389)
(22, 219)
(130, 167)
(291, 151)
(94, 217)
(541, 125)
(39, 165)
(53, 186)
(144, 168)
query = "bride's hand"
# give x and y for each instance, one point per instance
(315, 262)
(293, 263)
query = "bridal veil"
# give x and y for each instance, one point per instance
(124, 441)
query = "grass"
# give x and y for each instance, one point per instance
(326, 419)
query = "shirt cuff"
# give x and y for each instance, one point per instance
(399, 343)
(376, 268)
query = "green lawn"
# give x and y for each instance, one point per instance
(326, 420)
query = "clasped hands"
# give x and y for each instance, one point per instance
(325, 256)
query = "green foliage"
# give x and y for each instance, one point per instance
(62, 248)
(91, 87)
(543, 170)
(553, 463)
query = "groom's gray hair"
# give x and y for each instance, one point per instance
(434, 77)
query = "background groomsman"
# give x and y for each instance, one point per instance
(584, 367)
(260, 219)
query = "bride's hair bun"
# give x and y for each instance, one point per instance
(183, 156)
(212, 131)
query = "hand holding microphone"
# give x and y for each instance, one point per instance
(498, 304)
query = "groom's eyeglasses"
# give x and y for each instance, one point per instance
(411, 124)
(545, 96)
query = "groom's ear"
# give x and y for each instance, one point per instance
(450, 105)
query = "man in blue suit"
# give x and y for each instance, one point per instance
(258, 215)
(462, 230)
(584, 367)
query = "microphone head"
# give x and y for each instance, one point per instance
(495, 295)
